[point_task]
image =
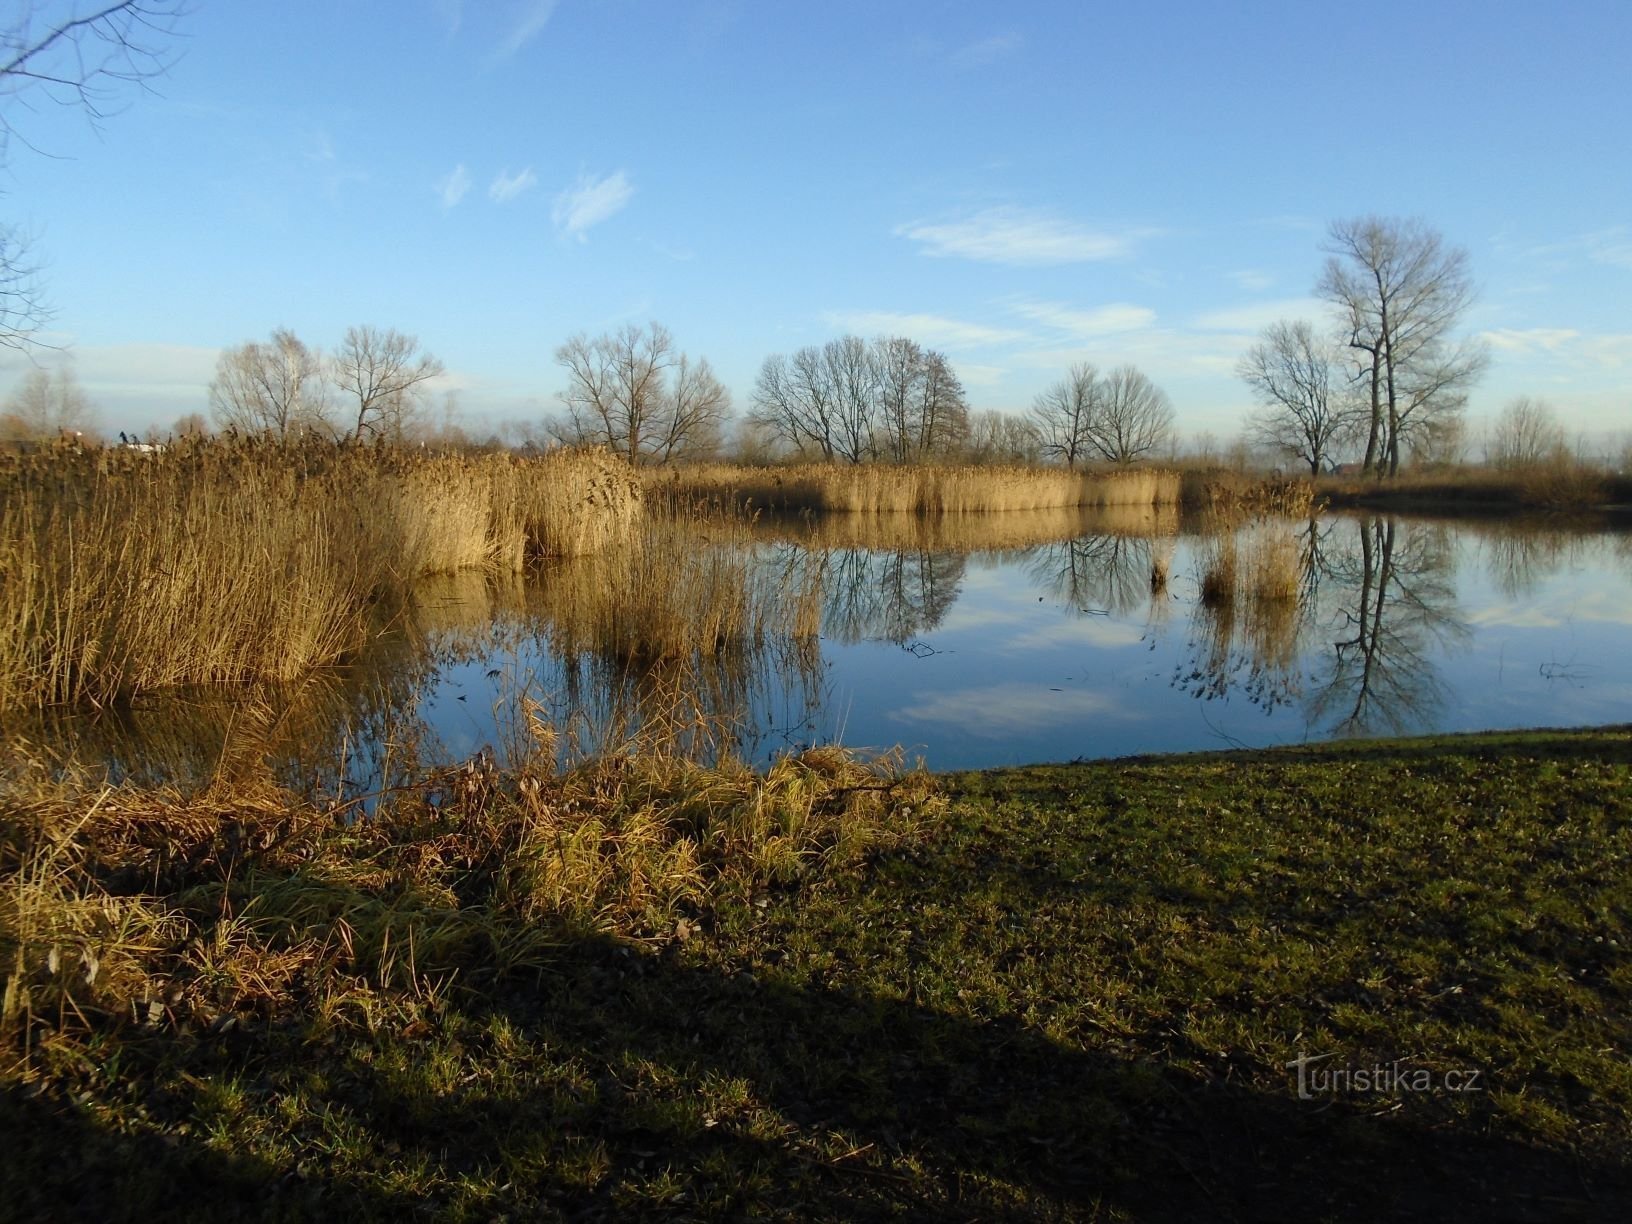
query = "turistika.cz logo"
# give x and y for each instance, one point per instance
(1317, 1078)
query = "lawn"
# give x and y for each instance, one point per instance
(1072, 992)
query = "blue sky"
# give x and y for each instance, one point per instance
(1023, 186)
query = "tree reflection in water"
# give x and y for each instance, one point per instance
(1375, 605)
(1343, 619)
(1394, 608)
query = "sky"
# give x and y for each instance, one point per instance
(1021, 186)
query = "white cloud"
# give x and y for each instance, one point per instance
(590, 201)
(507, 186)
(1530, 339)
(936, 331)
(531, 18)
(981, 375)
(1611, 351)
(1252, 280)
(1255, 316)
(986, 50)
(1020, 236)
(1611, 246)
(1603, 350)
(454, 185)
(1101, 321)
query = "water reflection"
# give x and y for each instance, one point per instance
(1395, 613)
(1029, 637)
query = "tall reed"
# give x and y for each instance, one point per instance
(122, 571)
(928, 489)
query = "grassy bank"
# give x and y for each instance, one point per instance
(1056, 991)
(929, 489)
(1563, 486)
(211, 562)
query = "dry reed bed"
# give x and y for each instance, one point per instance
(227, 562)
(681, 590)
(1256, 562)
(122, 906)
(997, 533)
(926, 489)
(1555, 484)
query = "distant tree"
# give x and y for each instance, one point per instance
(1119, 417)
(1135, 420)
(853, 400)
(1294, 375)
(941, 418)
(274, 388)
(45, 404)
(632, 392)
(1400, 292)
(1527, 434)
(193, 425)
(1001, 437)
(1062, 415)
(381, 374)
(74, 54)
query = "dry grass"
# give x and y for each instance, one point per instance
(925, 489)
(1557, 483)
(1256, 562)
(681, 590)
(218, 562)
(129, 906)
(1227, 491)
(974, 533)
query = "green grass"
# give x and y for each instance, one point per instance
(1073, 996)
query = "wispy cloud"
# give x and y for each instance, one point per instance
(1611, 246)
(1255, 316)
(453, 186)
(1574, 350)
(590, 201)
(1100, 321)
(1252, 280)
(1018, 236)
(1530, 339)
(935, 330)
(986, 50)
(530, 19)
(453, 13)
(506, 186)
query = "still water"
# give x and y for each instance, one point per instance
(1015, 639)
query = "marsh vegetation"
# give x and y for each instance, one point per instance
(501, 888)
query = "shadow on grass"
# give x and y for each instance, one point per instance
(862, 1107)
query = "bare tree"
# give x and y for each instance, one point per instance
(274, 388)
(1527, 434)
(384, 373)
(85, 54)
(1001, 437)
(1290, 370)
(1400, 291)
(192, 425)
(1063, 415)
(45, 404)
(943, 409)
(692, 420)
(824, 399)
(1135, 417)
(632, 392)
(900, 365)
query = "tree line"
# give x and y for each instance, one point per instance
(1383, 375)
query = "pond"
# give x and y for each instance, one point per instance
(1010, 639)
